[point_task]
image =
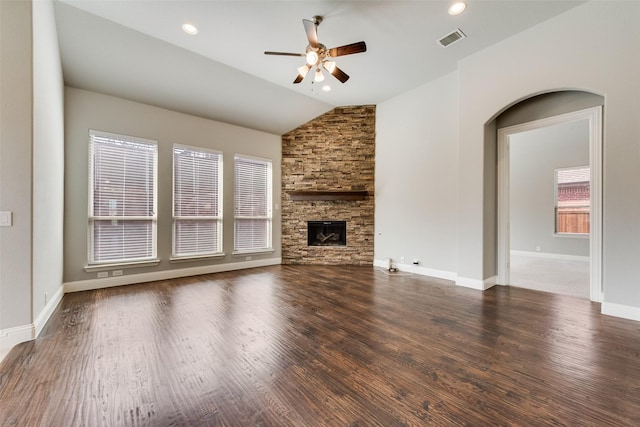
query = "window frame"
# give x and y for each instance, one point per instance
(557, 233)
(218, 218)
(269, 205)
(92, 264)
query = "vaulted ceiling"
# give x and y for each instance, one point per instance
(136, 49)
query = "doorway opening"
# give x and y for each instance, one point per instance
(540, 239)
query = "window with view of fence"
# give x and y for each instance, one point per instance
(572, 200)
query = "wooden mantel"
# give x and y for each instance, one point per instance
(327, 195)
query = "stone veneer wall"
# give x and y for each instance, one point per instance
(333, 152)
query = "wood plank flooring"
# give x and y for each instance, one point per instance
(323, 346)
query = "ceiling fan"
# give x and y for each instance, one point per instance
(317, 55)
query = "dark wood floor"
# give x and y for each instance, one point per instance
(323, 346)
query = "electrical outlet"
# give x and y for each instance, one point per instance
(537, 248)
(6, 219)
(103, 274)
(401, 260)
(116, 273)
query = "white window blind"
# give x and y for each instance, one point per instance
(122, 198)
(197, 202)
(252, 203)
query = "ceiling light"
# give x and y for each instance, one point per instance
(457, 8)
(318, 76)
(312, 57)
(304, 70)
(330, 66)
(190, 29)
(326, 88)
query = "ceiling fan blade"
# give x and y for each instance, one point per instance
(348, 49)
(339, 74)
(284, 53)
(312, 32)
(298, 79)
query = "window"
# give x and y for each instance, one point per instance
(252, 203)
(572, 200)
(197, 202)
(122, 198)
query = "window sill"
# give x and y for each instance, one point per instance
(253, 252)
(195, 258)
(573, 235)
(135, 264)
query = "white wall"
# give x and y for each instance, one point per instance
(15, 163)
(591, 47)
(534, 157)
(48, 160)
(31, 169)
(86, 110)
(417, 177)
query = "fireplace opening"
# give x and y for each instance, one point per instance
(327, 233)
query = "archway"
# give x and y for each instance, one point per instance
(536, 113)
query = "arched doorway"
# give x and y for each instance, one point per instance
(526, 116)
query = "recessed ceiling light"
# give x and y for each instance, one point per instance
(326, 88)
(457, 8)
(190, 29)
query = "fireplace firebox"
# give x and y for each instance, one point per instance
(327, 233)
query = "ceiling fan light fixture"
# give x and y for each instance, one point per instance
(330, 66)
(318, 77)
(312, 57)
(303, 70)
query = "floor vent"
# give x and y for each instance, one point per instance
(449, 39)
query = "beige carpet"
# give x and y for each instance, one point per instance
(550, 275)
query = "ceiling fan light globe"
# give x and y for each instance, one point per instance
(330, 66)
(312, 57)
(318, 76)
(304, 70)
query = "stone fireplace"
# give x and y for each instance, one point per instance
(328, 169)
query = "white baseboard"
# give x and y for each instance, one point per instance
(13, 336)
(620, 310)
(416, 269)
(130, 279)
(562, 257)
(382, 263)
(46, 313)
(481, 285)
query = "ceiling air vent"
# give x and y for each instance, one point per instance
(452, 38)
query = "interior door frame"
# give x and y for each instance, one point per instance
(594, 118)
